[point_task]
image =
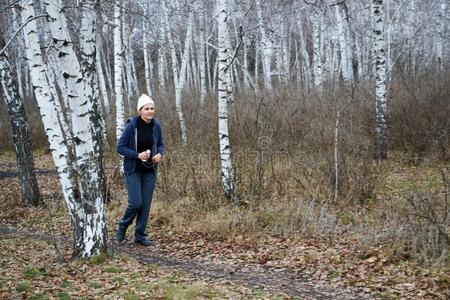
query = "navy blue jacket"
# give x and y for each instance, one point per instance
(127, 144)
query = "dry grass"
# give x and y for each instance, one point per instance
(282, 147)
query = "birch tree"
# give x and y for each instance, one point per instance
(381, 134)
(20, 132)
(343, 33)
(101, 81)
(266, 48)
(86, 206)
(441, 30)
(317, 51)
(223, 82)
(90, 143)
(45, 96)
(305, 54)
(202, 54)
(162, 59)
(118, 70)
(179, 78)
(147, 61)
(22, 81)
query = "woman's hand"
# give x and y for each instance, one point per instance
(143, 156)
(157, 158)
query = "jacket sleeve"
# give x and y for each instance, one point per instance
(123, 145)
(160, 141)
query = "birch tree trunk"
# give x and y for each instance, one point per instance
(257, 59)
(225, 151)
(317, 53)
(162, 60)
(266, 49)
(118, 71)
(202, 62)
(90, 145)
(179, 80)
(282, 51)
(81, 90)
(306, 62)
(194, 74)
(346, 69)
(21, 80)
(62, 58)
(245, 70)
(101, 82)
(22, 145)
(286, 55)
(230, 63)
(129, 82)
(148, 82)
(133, 70)
(381, 133)
(441, 30)
(354, 60)
(45, 96)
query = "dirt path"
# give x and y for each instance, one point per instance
(269, 279)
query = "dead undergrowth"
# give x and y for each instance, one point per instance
(381, 245)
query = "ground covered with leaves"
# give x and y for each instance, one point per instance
(33, 269)
(349, 259)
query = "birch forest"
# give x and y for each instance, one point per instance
(290, 127)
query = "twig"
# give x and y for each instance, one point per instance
(18, 30)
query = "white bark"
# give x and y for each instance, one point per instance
(266, 49)
(162, 60)
(354, 57)
(286, 56)
(257, 59)
(81, 93)
(306, 62)
(180, 79)
(133, 71)
(380, 81)
(148, 82)
(118, 71)
(208, 67)
(19, 65)
(223, 82)
(215, 71)
(202, 62)
(441, 30)
(62, 58)
(230, 63)
(245, 63)
(131, 85)
(317, 53)
(194, 74)
(45, 96)
(344, 48)
(282, 51)
(89, 148)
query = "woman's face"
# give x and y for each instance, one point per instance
(147, 111)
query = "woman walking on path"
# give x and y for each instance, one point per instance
(141, 145)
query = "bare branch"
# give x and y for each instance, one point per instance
(18, 31)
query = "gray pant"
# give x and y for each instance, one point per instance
(140, 188)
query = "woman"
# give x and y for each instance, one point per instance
(141, 145)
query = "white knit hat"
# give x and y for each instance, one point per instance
(143, 100)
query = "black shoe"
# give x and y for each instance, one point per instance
(120, 234)
(145, 242)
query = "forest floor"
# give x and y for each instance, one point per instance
(184, 264)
